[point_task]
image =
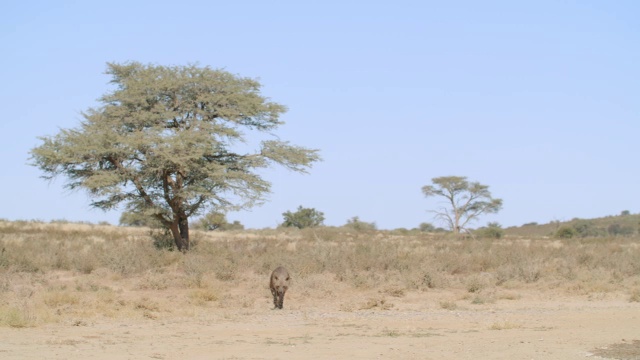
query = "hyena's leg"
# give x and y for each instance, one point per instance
(280, 300)
(275, 297)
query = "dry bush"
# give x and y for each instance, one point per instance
(376, 303)
(60, 298)
(478, 282)
(448, 305)
(17, 317)
(203, 296)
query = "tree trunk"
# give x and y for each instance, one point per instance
(183, 226)
(456, 223)
(177, 237)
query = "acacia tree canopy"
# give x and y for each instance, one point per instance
(170, 142)
(465, 201)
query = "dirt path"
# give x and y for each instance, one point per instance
(414, 328)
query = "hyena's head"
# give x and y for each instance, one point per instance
(281, 284)
(279, 280)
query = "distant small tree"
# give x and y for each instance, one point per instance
(303, 218)
(356, 224)
(235, 225)
(566, 232)
(426, 227)
(465, 201)
(625, 213)
(216, 221)
(211, 221)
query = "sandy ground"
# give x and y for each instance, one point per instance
(413, 326)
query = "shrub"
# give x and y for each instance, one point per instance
(303, 218)
(617, 229)
(211, 221)
(235, 225)
(162, 239)
(566, 232)
(491, 231)
(586, 228)
(216, 221)
(17, 317)
(427, 227)
(401, 231)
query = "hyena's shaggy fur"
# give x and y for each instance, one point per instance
(279, 284)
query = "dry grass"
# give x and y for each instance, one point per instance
(448, 305)
(504, 325)
(73, 272)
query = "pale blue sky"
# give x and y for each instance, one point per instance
(540, 100)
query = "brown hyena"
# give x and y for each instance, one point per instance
(279, 284)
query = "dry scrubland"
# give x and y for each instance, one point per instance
(69, 291)
(78, 273)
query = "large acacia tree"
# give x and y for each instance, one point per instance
(172, 141)
(464, 201)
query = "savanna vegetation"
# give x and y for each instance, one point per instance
(64, 272)
(171, 145)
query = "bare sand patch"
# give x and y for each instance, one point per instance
(414, 326)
